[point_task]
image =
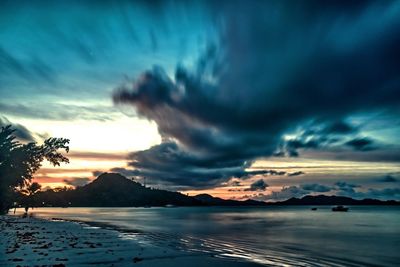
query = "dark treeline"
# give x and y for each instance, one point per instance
(111, 190)
(115, 190)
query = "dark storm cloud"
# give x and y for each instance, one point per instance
(389, 153)
(317, 135)
(340, 188)
(274, 69)
(21, 132)
(300, 191)
(296, 173)
(285, 193)
(339, 127)
(259, 185)
(345, 188)
(386, 193)
(361, 144)
(167, 165)
(316, 187)
(391, 193)
(388, 179)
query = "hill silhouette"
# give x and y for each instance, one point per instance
(115, 190)
(112, 189)
(216, 201)
(334, 200)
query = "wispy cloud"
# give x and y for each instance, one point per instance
(57, 111)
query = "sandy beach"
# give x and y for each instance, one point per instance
(39, 242)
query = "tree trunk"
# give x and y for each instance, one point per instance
(5, 200)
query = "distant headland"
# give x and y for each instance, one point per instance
(115, 190)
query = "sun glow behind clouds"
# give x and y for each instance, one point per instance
(321, 171)
(94, 145)
(122, 135)
(79, 167)
(52, 176)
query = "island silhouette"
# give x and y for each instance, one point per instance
(116, 190)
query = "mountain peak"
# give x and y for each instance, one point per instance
(110, 175)
(111, 181)
(115, 190)
(204, 196)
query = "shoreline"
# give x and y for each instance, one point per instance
(35, 241)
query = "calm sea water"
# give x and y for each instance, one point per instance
(279, 236)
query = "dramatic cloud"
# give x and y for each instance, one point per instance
(339, 127)
(259, 185)
(339, 188)
(295, 173)
(75, 182)
(316, 188)
(345, 188)
(21, 132)
(389, 179)
(316, 135)
(286, 192)
(384, 194)
(191, 172)
(362, 144)
(274, 69)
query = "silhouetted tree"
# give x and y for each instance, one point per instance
(29, 191)
(18, 162)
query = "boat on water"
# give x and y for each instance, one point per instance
(313, 208)
(340, 208)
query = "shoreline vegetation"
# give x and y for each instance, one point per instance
(34, 241)
(19, 161)
(115, 190)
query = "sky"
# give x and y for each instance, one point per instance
(264, 100)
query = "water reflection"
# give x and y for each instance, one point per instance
(273, 236)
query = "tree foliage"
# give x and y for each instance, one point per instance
(30, 191)
(19, 162)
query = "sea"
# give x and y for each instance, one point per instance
(272, 236)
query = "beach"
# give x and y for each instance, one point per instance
(42, 242)
(202, 236)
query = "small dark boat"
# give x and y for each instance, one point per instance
(340, 208)
(313, 208)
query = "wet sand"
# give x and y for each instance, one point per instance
(39, 242)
